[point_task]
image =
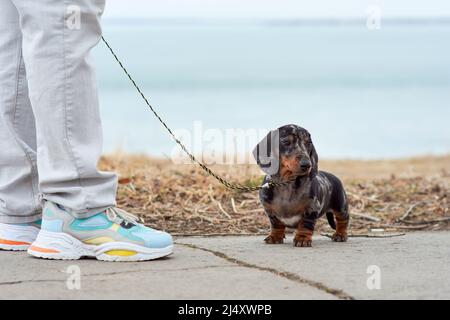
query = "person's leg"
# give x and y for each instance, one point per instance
(57, 39)
(19, 206)
(79, 217)
(18, 175)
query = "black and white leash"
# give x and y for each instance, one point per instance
(229, 185)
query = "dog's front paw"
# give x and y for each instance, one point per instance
(340, 237)
(274, 239)
(302, 240)
(276, 236)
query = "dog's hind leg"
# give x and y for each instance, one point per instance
(339, 207)
(342, 222)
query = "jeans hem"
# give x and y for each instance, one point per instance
(12, 218)
(79, 213)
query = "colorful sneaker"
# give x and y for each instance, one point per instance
(112, 235)
(18, 237)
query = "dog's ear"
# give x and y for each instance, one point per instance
(267, 153)
(314, 162)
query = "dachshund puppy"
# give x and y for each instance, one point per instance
(288, 154)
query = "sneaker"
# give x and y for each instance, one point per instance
(112, 235)
(18, 237)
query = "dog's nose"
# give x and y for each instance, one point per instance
(305, 164)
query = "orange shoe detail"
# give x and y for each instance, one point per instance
(13, 243)
(44, 250)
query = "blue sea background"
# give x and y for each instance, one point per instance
(363, 94)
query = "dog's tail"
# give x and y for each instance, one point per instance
(330, 218)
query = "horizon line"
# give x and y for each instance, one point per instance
(418, 20)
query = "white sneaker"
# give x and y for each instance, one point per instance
(111, 235)
(18, 237)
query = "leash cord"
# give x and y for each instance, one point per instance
(229, 185)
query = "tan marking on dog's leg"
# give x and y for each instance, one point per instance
(303, 236)
(277, 235)
(342, 222)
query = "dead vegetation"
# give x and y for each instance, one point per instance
(400, 195)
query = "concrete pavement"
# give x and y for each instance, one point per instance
(414, 266)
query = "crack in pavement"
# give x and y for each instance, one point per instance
(340, 294)
(113, 273)
(30, 281)
(147, 270)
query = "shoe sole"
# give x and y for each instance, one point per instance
(62, 246)
(16, 237)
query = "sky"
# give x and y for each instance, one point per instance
(275, 9)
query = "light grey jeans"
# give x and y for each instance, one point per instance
(50, 128)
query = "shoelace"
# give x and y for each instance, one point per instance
(115, 212)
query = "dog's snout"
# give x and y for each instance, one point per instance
(305, 164)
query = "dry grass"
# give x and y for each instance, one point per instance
(409, 194)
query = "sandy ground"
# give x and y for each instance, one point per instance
(425, 166)
(393, 195)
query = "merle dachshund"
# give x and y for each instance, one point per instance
(288, 154)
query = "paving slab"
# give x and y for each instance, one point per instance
(414, 266)
(188, 274)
